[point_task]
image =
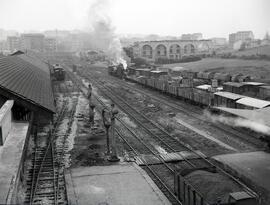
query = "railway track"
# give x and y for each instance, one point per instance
(135, 150)
(111, 94)
(45, 180)
(189, 111)
(154, 130)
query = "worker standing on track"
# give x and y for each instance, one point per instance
(89, 94)
(91, 105)
(109, 116)
(107, 124)
(113, 113)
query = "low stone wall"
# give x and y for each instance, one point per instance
(5, 120)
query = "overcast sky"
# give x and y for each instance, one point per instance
(213, 18)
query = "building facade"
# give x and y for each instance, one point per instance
(14, 43)
(243, 36)
(50, 44)
(32, 41)
(192, 36)
(171, 49)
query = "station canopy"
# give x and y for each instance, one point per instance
(27, 78)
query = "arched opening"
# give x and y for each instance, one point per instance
(161, 51)
(175, 51)
(189, 49)
(147, 51)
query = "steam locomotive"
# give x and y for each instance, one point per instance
(58, 72)
(117, 71)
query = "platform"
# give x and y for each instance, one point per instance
(10, 158)
(253, 167)
(124, 184)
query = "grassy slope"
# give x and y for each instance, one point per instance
(258, 69)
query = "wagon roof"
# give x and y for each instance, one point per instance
(229, 95)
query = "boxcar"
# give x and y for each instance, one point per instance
(264, 92)
(202, 97)
(172, 90)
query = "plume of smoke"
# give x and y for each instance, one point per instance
(103, 36)
(258, 126)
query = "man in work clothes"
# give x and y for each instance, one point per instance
(91, 105)
(89, 94)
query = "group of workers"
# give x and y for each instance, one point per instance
(108, 116)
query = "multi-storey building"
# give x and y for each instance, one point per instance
(243, 36)
(50, 44)
(13, 43)
(32, 41)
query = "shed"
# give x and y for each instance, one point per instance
(264, 92)
(226, 99)
(26, 80)
(251, 103)
(251, 89)
(233, 87)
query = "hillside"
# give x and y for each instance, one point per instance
(258, 69)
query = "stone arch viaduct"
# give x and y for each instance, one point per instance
(172, 49)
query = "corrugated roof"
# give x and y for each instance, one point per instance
(253, 102)
(27, 78)
(36, 62)
(229, 95)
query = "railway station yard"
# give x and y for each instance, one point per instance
(90, 143)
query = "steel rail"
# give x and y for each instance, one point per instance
(136, 152)
(49, 147)
(246, 188)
